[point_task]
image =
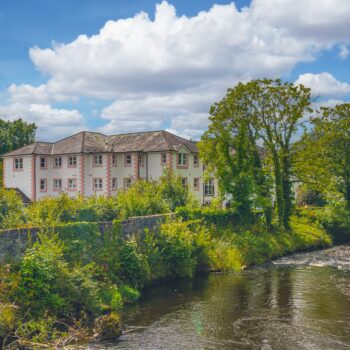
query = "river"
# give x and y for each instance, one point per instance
(298, 302)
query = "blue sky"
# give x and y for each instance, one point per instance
(124, 66)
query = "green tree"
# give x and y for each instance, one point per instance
(323, 157)
(15, 134)
(273, 112)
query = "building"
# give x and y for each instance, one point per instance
(91, 163)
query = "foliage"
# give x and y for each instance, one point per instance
(261, 111)
(209, 214)
(173, 193)
(335, 219)
(15, 134)
(11, 209)
(324, 153)
(142, 198)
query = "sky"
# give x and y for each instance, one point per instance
(116, 66)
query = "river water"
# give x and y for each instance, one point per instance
(298, 302)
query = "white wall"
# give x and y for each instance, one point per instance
(23, 179)
(19, 179)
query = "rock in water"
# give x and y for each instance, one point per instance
(108, 327)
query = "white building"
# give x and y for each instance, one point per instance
(90, 163)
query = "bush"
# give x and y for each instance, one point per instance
(142, 198)
(335, 219)
(11, 209)
(210, 215)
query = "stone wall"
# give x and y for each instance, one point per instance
(13, 242)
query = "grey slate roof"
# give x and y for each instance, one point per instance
(94, 142)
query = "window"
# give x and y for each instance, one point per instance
(127, 182)
(140, 159)
(18, 164)
(72, 185)
(57, 162)
(42, 163)
(209, 187)
(97, 184)
(195, 160)
(98, 160)
(57, 184)
(196, 183)
(184, 182)
(163, 159)
(43, 185)
(114, 160)
(127, 160)
(182, 159)
(72, 161)
(114, 184)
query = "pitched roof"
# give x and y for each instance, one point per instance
(94, 142)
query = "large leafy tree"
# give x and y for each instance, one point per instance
(272, 112)
(324, 153)
(15, 134)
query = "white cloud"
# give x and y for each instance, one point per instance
(344, 52)
(53, 123)
(324, 84)
(168, 71)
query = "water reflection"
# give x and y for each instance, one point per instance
(281, 306)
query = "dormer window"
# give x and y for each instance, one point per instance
(182, 159)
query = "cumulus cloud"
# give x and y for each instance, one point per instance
(324, 84)
(53, 123)
(168, 71)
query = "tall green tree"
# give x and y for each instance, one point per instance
(323, 157)
(273, 112)
(15, 134)
(230, 151)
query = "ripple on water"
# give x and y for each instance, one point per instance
(297, 302)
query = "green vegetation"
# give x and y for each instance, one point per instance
(72, 275)
(13, 135)
(75, 278)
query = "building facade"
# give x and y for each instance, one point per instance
(90, 163)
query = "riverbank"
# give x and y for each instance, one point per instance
(62, 285)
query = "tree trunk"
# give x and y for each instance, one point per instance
(287, 190)
(278, 188)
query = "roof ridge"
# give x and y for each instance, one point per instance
(135, 133)
(166, 140)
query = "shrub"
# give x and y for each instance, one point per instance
(142, 198)
(335, 218)
(11, 209)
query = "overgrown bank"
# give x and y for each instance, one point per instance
(63, 285)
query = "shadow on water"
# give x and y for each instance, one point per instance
(278, 306)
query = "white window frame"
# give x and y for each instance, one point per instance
(209, 187)
(57, 160)
(98, 160)
(97, 184)
(182, 159)
(72, 161)
(18, 164)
